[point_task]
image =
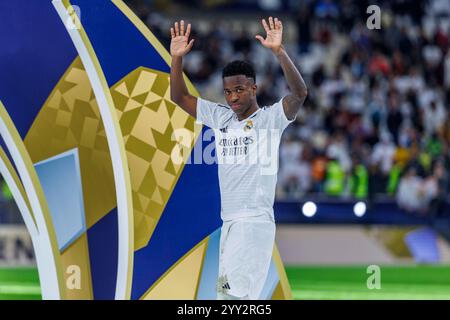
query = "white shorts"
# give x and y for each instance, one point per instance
(246, 246)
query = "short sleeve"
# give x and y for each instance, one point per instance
(278, 116)
(212, 114)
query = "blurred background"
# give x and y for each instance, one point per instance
(364, 170)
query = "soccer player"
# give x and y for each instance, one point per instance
(244, 131)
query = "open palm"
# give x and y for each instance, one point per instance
(180, 44)
(274, 34)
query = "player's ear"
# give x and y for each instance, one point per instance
(254, 87)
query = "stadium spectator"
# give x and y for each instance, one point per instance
(410, 196)
(381, 96)
(434, 118)
(440, 187)
(338, 150)
(383, 154)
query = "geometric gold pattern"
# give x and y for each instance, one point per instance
(278, 293)
(148, 119)
(283, 289)
(78, 255)
(70, 118)
(181, 281)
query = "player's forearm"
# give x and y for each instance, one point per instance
(178, 88)
(293, 77)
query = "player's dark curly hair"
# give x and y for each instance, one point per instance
(239, 67)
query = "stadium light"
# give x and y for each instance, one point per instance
(359, 209)
(309, 209)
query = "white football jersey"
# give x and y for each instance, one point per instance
(247, 155)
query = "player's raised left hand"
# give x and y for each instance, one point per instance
(274, 34)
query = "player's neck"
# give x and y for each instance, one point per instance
(248, 112)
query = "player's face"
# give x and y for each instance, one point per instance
(240, 93)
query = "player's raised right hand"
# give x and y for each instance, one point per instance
(179, 44)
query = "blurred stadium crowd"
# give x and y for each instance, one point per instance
(376, 118)
(375, 122)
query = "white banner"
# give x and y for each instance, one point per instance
(16, 249)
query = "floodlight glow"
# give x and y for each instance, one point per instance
(309, 209)
(359, 209)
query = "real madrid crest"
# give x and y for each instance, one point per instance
(248, 125)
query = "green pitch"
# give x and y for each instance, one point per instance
(312, 282)
(350, 282)
(19, 284)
